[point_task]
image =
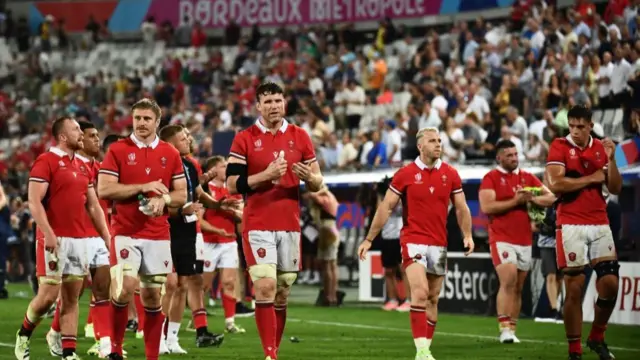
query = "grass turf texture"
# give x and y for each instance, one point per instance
(353, 332)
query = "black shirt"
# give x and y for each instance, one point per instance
(180, 230)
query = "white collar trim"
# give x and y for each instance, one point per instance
(570, 140)
(264, 129)
(142, 145)
(504, 171)
(423, 166)
(56, 150)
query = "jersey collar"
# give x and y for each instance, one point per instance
(570, 140)
(84, 159)
(264, 129)
(142, 145)
(56, 150)
(504, 171)
(423, 166)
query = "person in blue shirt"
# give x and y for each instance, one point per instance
(377, 157)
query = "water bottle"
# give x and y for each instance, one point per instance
(144, 205)
(279, 158)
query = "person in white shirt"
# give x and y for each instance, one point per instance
(620, 74)
(603, 78)
(353, 98)
(452, 139)
(430, 117)
(439, 102)
(348, 153)
(149, 30)
(393, 141)
(537, 39)
(477, 103)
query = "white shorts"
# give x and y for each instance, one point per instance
(70, 258)
(273, 247)
(97, 252)
(433, 258)
(144, 257)
(199, 247)
(221, 256)
(506, 253)
(577, 245)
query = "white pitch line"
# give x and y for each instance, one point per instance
(7, 345)
(463, 335)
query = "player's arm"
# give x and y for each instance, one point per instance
(490, 206)
(546, 199)
(3, 198)
(382, 214)
(238, 180)
(463, 214)
(37, 190)
(309, 169)
(314, 181)
(97, 215)
(613, 179)
(560, 184)
(206, 199)
(207, 227)
(177, 197)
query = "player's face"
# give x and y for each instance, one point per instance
(181, 142)
(91, 142)
(72, 135)
(430, 145)
(221, 169)
(271, 107)
(192, 142)
(145, 123)
(580, 129)
(508, 158)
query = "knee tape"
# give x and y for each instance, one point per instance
(152, 281)
(606, 303)
(263, 271)
(49, 280)
(72, 278)
(609, 267)
(118, 272)
(286, 279)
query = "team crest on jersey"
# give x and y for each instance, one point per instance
(572, 152)
(444, 179)
(503, 182)
(258, 144)
(132, 159)
(163, 162)
(418, 178)
(598, 155)
(291, 144)
(61, 163)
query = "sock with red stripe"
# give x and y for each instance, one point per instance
(68, 345)
(153, 320)
(418, 317)
(200, 320)
(597, 333)
(120, 319)
(504, 321)
(281, 320)
(575, 346)
(139, 310)
(55, 324)
(229, 306)
(30, 322)
(431, 329)
(266, 323)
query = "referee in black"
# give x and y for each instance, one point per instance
(183, 228)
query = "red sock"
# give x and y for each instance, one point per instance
(597, 332)
(92, 304)
(281, 320)
(266, 322)
(55, 324)
(431, 328)
(504, 320)
(418, 318)
(68, 342)
(28, 325)
(153, 331)
(139, 310)
(103, 326)
(120, 319)
(229, 305)
(575, 346)
(200, 318)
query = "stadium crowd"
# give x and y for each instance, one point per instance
(362, 98)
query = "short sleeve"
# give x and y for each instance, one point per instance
(534, 181)
(556, 154)
(110, 165)
(456, 182)
(40, 171)
(177, 171)
(239, 147)
(308, 153)
(398, 184)
(487, 183)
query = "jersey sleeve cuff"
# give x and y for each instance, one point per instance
(456, 191)
(37, 179)
(109, 172)
(310, 161)
(395, 190)
(555, 163)
(237, 156)
(177, 176)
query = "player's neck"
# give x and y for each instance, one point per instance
(217, 183)
(148, 140)
(85, 155)
(66, 149)
(429, 162)
(272, 127)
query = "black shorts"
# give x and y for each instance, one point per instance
(549, 265)
(183, 254)
(391, 257)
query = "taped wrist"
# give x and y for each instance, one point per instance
(242, 183)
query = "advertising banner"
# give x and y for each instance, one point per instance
(627, 310)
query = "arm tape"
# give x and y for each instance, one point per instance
(242, 183)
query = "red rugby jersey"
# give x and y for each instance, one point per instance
(426, 194)
(219, 218)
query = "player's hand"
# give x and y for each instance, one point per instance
(276, 169)
(302, 171)
(228, 235)
(155, 187)
(609, 148)
(523, 196)
(598, 177)
(193, 208)
(156, 206)
(469, 245)
(364, 247)
(51, 243)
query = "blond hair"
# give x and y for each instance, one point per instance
(425, 130)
